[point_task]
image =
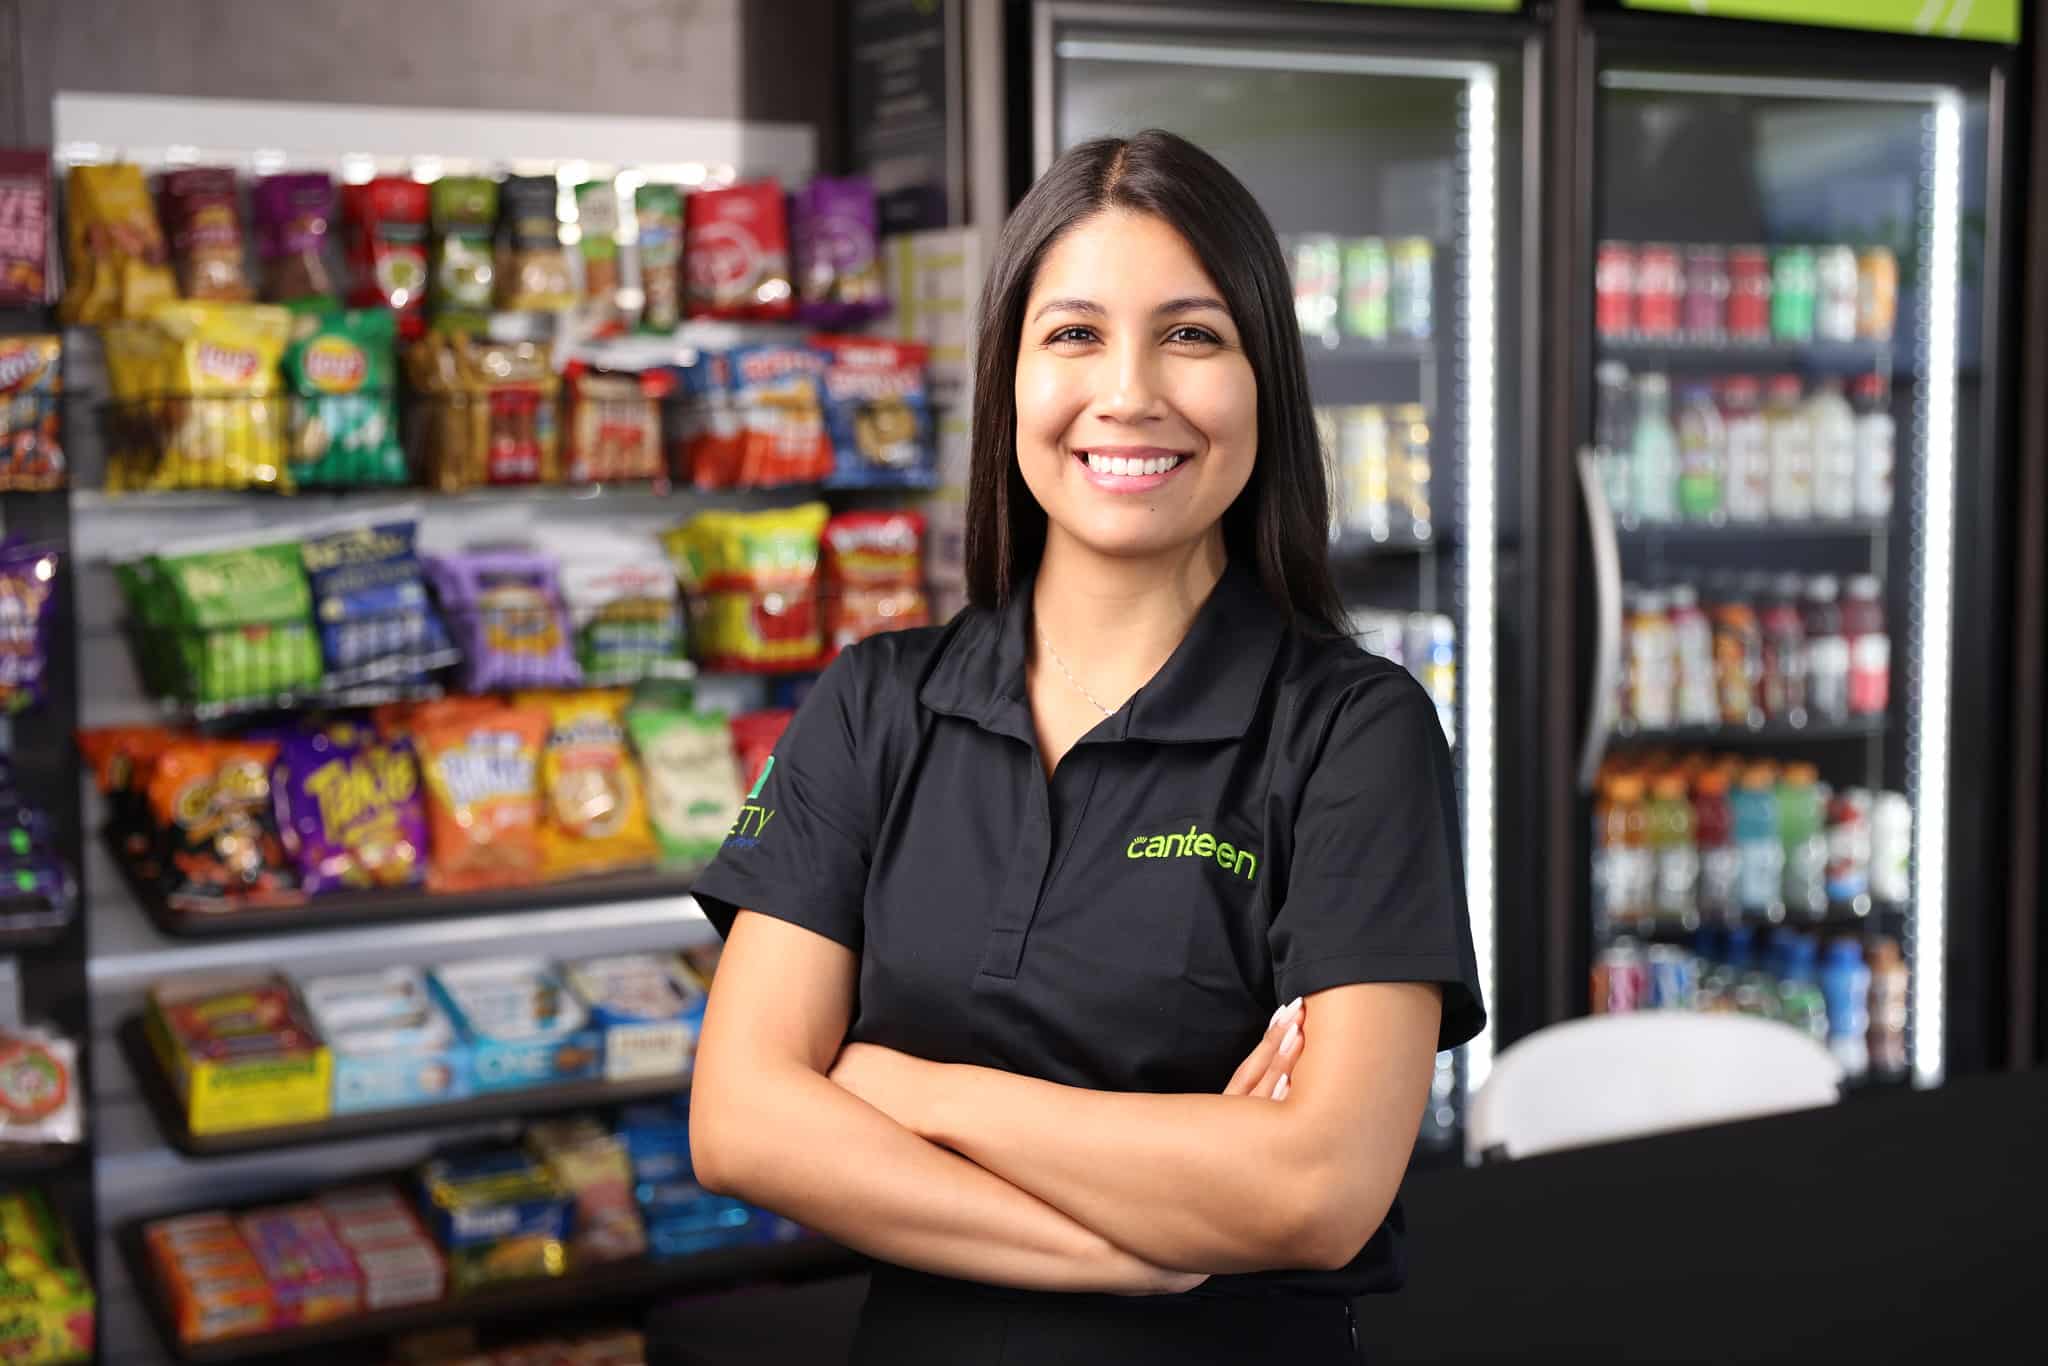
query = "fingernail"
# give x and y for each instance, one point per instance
(1294, 1006)
(1292, 1039)
(1276, 1017)
(1280, 1087)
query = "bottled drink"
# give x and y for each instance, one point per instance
(1693, 650)
(1835, 275)
(1827, 653)
(1800, 1001)
(1834, 451)
(1746, 489)
(1653, 663)
(1877, 293)
(1614, 439)
(1888, 996)
(1849, 818)
(1738, 660)
(1713, 824)
(1874, 436)
(1794, 294)
(1870, 648)
(1706, 293)
(1845, 985)
(1318, 285)
(1676, 857)
(1891, 849)
(1654, 458)
(1702, 454)
(1631, 874)
(1659, 285)
(1368, 282)
(1760, 850)
(1749, 294)
(1784, 656)
(1412, 300)
(1790, 435)
(1614, 285)
(1802, 807)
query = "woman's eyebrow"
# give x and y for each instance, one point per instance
(1193, 303)
(1088, 306)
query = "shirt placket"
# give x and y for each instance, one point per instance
(1041, 849)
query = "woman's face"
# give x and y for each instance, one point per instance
(1137, 412)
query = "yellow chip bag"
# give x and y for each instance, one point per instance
(593, 811)
(115, 259)
(224, 420)
(752, 584)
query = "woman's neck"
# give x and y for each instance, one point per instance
(1114, 622)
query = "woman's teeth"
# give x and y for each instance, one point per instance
(1117, 464)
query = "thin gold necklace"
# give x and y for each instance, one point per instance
(1046, 641)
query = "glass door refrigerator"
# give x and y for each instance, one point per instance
(1389, 150)
(1789, 404)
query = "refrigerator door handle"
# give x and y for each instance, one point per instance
(1607, 596)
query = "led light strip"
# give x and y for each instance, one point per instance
(1931, 662)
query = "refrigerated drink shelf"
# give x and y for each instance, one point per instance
(1703, 533)
(1843, 358)
(1770, 732)
(1875, 917)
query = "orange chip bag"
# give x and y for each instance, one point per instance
(594, 812)
(482, 770)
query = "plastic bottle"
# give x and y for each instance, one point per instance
(1874, 437)
(1870, 648)
(1784, 661)
(1654, 453)
(1827, 653)
(1738, 658)
(1800, 1001)
(1652, 663)
(1845, 984)
(1790, 433)
(1702, 454)
(1630, 872)
(1614, 439)
(1759, 848)
(1891, 849)
(1850, 814)
(1888, 996)
(1834, 452)
(1802, 826)
(1746, 491)
(1692, 638)
(1677, 859)
(1713, 825)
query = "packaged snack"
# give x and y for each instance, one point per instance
(532, 268)
(24, 227)
(625, 609)
(240, 1051)
(39, 1100)
(482, 772)
(293, 212)
(387, 248)
(874, 575)
(648, 1009)
(212, 1280)
(399, 1262)
(833, 245)
(597, 217)
(752, 584)
(115, 262)
(393, 1042)
(878, 411)
(344, 417)
(31, 409)
(614, 425)
(594, 819)
(465, 209)
(693, 783)
(123, 759)
(350, 814)
(28, 585)
(201, 207)
(501, 1215)
(593, 1166)
(506, 610)
(755, 734)
(49, 1300)
(241, 620)
(370, 598)
(486, 412)
(659, 209)
(211, 801)
(312, 1278)
(681, 1217)
(524, 1028)
(776, 391)
(736, 252)
(201, 382)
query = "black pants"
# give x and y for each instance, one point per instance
(916, 1320)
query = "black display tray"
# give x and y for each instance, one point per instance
(1770, 733)
(1707, 533)
(29, 1159)
(1837, 358)
(162, 1100)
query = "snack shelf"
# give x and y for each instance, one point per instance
(523, 1103)
(1769, 733)
(1701, 533)
(29, 932)
(612, 1283)
(28, 1159)
(1841, 358)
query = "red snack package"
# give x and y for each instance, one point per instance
(24, 226)
(754, 737)
(614, 425)
(874, 576)
(736, 252)
(201, 210)
(387, 249)
(482, 772)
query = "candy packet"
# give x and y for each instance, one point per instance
(377, 622)
(506, 610)
(879, 412)
(387, 248)
(201, 208)
(344, 431)
(39, 1100)
(24, 227)
(659, 209)
(293, 212)
(594, 819)
(736, 252)
(532, 269)
(465, 208)
(350, 814)
(31, 406)
(116, 265)
(482, 774)
(833, 247)
(692, 778)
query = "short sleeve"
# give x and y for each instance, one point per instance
(799, 848)
(1376, 886)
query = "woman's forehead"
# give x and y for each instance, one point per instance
(1117, 256)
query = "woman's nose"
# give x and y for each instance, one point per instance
(1133, 390)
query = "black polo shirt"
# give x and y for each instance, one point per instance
(1270, 816)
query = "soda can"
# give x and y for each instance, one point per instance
(1622, 975)
(1749, 295)
(1368, 285)
(1364, 457)
(1318, 281)
(1660, 285)
(1408, 469)
(1891, 849)
(1413, 302)
(1614, 283)
(1706, 293)
(1674, 979)
(1836, 277)
(1795, 289)
(1877, 293)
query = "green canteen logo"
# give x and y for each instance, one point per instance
(1196, 843)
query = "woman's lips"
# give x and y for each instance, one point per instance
(1130, 459)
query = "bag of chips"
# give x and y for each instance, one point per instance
(874, 575)
(506, 610)
(782, 436)
(377, 624)
(597, 219)
(625, 609)
(31, 402)
(593, 817)
(115, 262)
(293, 212)
(614, 425)
(693, 779)
(465, 210)
(344, 417)
(532, 268)
(242, 618)
(659, 209)
(833, 246)
(485, 412)
(736, 252)
(878, 411)
(752, 584)
(201, 207)
(201, 386)
(481, 767)
(28, 587)
(704, 439)
(24, 227)
(388, 248)
(212, 806)
(350, 814)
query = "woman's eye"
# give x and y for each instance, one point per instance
(1069, 335)
(1200, 336)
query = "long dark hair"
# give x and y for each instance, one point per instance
(1280, 523)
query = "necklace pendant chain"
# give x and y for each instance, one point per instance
(1046, 641)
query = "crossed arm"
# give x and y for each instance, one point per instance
(981, 1174)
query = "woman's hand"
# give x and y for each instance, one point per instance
(897, 1084)
(1264, 1074)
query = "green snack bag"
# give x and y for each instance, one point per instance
(153, 617)
(597, 216)
(693, 781)
(465, 214)
(344, 419)
(660, 211)
(245, 627)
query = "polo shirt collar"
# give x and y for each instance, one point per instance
(1208, 690)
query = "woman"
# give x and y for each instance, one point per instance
(1009, 914)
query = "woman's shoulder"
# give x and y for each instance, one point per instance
(1329, 680)
(892, 665)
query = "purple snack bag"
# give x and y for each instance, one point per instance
(833, 248)
(350, 814)
(293, 214)
(28, 581)
(505, 608)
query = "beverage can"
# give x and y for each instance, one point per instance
(1660, 285)
(1413, 303)
(1747, 487)
(1850, 815)
(1891, 849)
(1877, 293)
(1368, 285)
(1749, 294)
(1673, 978)
(1614, 284)
(1318, 283)
(1364, 446)
(1624, 974)
(1408, 470)
(1794, 293)
(1706, 293)
(1837, 281)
